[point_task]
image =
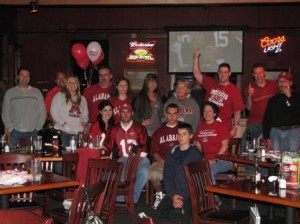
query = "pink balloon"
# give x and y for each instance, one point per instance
(79, 52)
(98, 61)
(83, 63)
(94, 51)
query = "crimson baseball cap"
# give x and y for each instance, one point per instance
(126, 106)
(285, 75)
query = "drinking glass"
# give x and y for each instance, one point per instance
(34, 167)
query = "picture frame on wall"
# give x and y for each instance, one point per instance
(272, 74)
(136, 77)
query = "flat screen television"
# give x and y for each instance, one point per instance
(217, 46)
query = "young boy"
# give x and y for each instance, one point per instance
(177, 198)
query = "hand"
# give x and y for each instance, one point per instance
(177, 201)
(233, 131)
(250, 90)
(269, 145)
(197, 53)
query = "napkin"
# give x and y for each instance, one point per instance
(11, 177)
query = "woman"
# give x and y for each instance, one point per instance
(102, 128)
(148, 106)
(212, 138)
(120, 95)
(69, 111)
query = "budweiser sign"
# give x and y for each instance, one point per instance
(140, 52)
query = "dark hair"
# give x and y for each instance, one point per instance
(257, 65)
(215, 108)
(115, 91)
(172, 105)
(111, 121)
(104, 67)
(144, 101)
(186, 126)
(224, 65)
(22, 68)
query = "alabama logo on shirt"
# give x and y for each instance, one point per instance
(218, 97)
(75, 110)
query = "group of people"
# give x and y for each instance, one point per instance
(172, 134)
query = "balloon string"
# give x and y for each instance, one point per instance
(85, 77)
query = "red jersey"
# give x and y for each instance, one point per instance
(227, 97)
(94, 95)
(136, 134)
(210, 137)
(49, 98)
(260, 99)
(117, 103)
(164, 139)
(96, 131)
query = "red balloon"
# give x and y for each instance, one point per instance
(79, 52)
(100, 58)
(83, 63)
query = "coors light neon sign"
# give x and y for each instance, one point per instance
(272, 44)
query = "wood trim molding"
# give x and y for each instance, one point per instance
(140, 2)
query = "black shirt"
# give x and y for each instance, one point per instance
(281, 111)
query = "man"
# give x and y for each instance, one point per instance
(23, 110)
(60, 85)
(257, 96)
(177, 194)
(281, 122)
(163, 139)
(126, 134)
(221, 92)
(189, 110)
(98, 92)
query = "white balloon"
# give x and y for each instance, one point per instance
(94, 51)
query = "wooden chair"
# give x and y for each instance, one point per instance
(77, 212)
(69, 168)
(100, 170)
(79, 205)
(22, 217)
(18, 161)
(126, 187)
(204, 210)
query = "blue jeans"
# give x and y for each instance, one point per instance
(255, 130)
(219, 166)
(142, 175)
(15, 136)
(285, 140)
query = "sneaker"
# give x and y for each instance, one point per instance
(158, 197)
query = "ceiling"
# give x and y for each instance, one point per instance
(141, 2)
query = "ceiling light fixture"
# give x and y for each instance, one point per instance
(34, 6)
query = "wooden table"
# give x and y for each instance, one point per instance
(244, 189)
(244, 159)
(49, 181)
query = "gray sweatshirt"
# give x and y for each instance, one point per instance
(23, 109)
(189, 111)
(70, 114)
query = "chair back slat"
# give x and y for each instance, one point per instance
(79, 204)
(105, 170)
(198, 176)
(14, 161)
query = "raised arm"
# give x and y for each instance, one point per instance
(196, 66)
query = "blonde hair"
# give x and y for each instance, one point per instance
(68, 94)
